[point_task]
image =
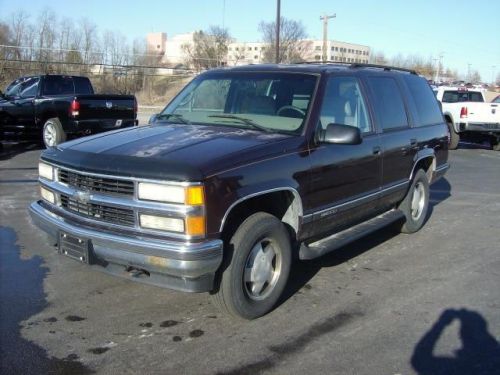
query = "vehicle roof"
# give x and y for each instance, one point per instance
(312, 68)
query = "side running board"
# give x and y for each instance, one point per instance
(337, 240)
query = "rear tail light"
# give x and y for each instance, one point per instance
(74, 108)
(463, 112)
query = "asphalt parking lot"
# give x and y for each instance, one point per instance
(427, 303)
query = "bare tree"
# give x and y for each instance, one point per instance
(46, 38)
(475, 77)
(292, 44)
(18, 27)
(88, 31)
(208, 49)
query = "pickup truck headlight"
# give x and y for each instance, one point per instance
(191, 195)
(46, 171)
(161, 223)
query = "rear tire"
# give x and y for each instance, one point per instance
(53, 133)
(416, 203)
(454, 137)
(256, 266)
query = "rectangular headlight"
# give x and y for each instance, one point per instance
(192, 195)
(47, 195)
(46, 171)
(161, 223)
(161, 193)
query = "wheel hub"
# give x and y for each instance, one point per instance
(262, 270)
(49, 134)
(418, 201)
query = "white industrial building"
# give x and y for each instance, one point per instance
(173, 52)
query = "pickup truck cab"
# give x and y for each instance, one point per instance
(51, 108)
(468, 115)
(244, 170)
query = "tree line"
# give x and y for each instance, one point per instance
(51, 44)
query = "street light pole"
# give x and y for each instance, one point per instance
(278, 22)
(325, 19)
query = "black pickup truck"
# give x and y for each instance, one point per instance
(50, 108)
(245, 170)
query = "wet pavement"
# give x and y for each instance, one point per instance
(387, 304)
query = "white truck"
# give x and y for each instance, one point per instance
(469, 116)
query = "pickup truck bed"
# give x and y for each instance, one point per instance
(51, 108)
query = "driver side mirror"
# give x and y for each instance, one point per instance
(341, 134)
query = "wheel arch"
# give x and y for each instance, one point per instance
(283, 202)
(426, 160)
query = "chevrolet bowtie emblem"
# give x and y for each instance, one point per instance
(82, 196)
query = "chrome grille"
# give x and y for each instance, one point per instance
(113, 215)
(96, 184)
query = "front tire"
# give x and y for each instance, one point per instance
(53, 133)
(416, 203)
(256, 267)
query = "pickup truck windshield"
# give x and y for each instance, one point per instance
(275, 102)
(455, 96)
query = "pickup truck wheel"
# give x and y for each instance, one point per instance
(256, 268)
(454, 137)
(416, 203)
(53, 133)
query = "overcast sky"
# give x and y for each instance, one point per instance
(464, 31)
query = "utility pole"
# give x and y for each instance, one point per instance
(493, 67)
(436, 78)
(325, 19)
(278, 22)
(468, 72)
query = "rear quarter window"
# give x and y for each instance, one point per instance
(426, 108)
(83, 86)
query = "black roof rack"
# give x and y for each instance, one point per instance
(384, 67)
(359, 65)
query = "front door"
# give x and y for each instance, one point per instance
(345, 179)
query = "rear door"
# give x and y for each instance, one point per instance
(345, 179)
(399, 144)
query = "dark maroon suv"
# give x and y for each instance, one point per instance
(244, 170)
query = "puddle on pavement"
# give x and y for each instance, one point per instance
(22, 296)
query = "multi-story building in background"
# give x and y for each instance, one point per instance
(239, 53)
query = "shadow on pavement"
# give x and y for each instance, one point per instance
(479, 354)
(22, 296)
(9, 150)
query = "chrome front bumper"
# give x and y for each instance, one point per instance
(185, 266)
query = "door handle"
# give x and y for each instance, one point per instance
(413, 142)
(376, 150)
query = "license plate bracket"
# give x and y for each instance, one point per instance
(74, 247)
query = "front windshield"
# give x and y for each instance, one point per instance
(272, 102)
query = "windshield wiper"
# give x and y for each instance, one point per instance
(176, 116)
(245, 120)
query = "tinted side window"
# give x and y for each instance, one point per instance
(343, 103)
(29, 88)
(388, 103)
(426, 106)
(57, 85)
(82, 86)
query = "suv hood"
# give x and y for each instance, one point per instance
(173, 151)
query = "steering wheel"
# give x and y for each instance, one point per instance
(292, 111)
